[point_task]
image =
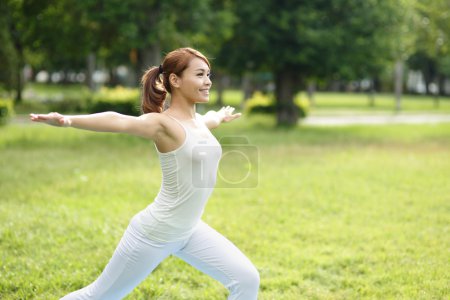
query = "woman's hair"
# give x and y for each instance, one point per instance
(155, 82)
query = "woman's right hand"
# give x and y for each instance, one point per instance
(54, 119)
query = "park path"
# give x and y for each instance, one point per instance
(343, 120)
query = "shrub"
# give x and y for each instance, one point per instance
(263, 103)
(303, 106)
(6, 110)
(260, 103)
(118, 99)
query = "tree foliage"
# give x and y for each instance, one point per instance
(295, 40)
(61, 34)
(432, 41)
(8, 55)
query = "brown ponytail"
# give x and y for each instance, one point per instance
(153, 94)
(155, 82)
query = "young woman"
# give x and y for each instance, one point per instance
(171, 224)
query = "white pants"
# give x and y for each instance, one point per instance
(136, 257)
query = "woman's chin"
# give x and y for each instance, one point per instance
(203, 100)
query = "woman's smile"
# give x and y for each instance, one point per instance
(205, 91)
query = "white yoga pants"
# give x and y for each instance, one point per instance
(207, 250)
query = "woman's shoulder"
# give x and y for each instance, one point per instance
(158, 121)
(155, 117)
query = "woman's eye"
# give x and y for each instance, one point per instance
(201, 74)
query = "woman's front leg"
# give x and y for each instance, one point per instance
(213, 254)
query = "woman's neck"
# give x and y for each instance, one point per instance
(182, 110)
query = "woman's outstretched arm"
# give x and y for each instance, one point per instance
(213, 118)
(147, 125)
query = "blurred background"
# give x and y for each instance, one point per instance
(329, 212)
(284, 58)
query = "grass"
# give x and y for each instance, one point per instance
(338, 213)
(356, 103)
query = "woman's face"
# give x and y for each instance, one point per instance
(194, 83)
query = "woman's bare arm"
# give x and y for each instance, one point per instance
(148, 125)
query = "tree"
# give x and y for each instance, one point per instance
(432, 44)
(45, 33)
(72, 35)
(12, 49)
(8, 54)
(296, 40)
(138, 31)
(401, 43)
(219, 28)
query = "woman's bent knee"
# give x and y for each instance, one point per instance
(251, 279)
(246, 285)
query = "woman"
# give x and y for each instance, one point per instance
(171, 225)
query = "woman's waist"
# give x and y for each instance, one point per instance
(177, 217)
(179, 195)
(162, 230)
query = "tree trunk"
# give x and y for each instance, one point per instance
(113, 80)
(90, 61)
(427, 74)
(398, 84)
(427, 86)
(20, 81)
(220, 84)
(436, 94)
(372, 93)
(285, 88)
(441, 81)
(20, 65)
(247, 88)
(147, 57)
(311, 92)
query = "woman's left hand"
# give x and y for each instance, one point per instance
(226, 114)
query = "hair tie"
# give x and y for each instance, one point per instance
(160, 70)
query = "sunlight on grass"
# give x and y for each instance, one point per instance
(338, 213)
(354, 103)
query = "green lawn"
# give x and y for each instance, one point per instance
(357, 103)
(359, 212)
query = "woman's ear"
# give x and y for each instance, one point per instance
(174, 80)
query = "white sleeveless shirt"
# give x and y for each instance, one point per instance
(188, 178)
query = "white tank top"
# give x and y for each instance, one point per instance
(188, 178)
